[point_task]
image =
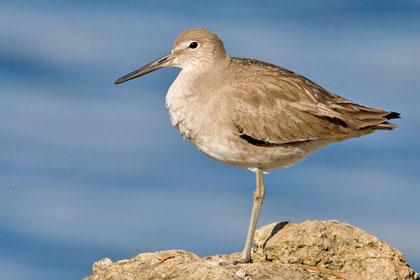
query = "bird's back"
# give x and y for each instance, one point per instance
(277, 106)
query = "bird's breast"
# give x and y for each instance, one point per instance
(185, 108)
(199, 114)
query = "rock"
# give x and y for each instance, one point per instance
(335, 246)
(310, 250)
(101, 265)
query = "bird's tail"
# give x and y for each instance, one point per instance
(387, 125)
(366, 118)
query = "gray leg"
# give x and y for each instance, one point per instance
(259, 194)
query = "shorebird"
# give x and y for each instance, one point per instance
(252, 114)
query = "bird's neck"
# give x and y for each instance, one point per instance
(194, 77)
(189, 91)
(198, 68)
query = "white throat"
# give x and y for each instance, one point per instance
(186, 97)
(179, 99)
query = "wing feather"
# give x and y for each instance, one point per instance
(278, 106)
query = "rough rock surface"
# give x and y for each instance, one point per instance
(310, 250)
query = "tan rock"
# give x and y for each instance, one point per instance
(335, 246)
(310, 250)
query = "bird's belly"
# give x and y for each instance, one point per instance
(219, 150)
(245, 155)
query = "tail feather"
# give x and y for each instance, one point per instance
(383, 123)
(392, 115)
(364, 117)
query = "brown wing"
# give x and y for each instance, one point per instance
(277, 106)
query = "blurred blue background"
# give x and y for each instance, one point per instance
(91, 170)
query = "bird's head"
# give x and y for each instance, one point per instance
(195, 49)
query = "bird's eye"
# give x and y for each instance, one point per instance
(193, 45)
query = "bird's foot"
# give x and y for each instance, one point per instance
(236, 262)
(242, 261)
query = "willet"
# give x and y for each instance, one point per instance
(252, 114)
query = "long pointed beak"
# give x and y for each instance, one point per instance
(164, 61)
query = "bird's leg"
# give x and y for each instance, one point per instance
(259, 194)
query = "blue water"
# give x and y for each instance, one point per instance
(91, 170)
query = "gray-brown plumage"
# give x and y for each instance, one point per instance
(278, 108)
(253, 114)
